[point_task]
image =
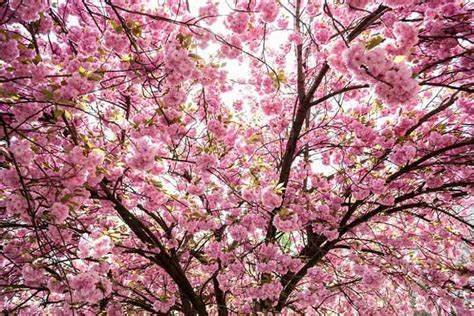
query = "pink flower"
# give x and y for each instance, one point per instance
(393, 82)
(357, 4)
(210, 13)
(378, 186)
(16, 205)
(386, 200)
(84, 248)
(397, 3)
(114, 310)
(32, 276)
(9, 51)
(288, 224)
(115, 41)
(238, 232)
(371, 278)
(178, 63)
(360, 193)
(249, 195)
(269, 198)
(331, 234)
(216, 128)
(434, 139)
(206, 161)
(88, 287)
(196, 189)
(28, 11)
(268, 9)
(22, 151)
(238, 22)
(282, 23)
(407, 37)
(102, 246)
(434, 181)
(232, 51)
(321, 32)
(94, 248)
(164, 304)
(59, 212)
(355, 57)
(296, 38)
(144, 156)
(78, 179)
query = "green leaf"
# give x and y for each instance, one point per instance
(58, 113)
(67, 115)
(116, 26)
(48, 95)
(95, 76)
(285, 242)
(284, 213)
(89, 59)
(398, 59)
(88, 145)
(135, 28)
(126, 57)
(185, 40)
(195, 57)
(67, 102)
(66, 198)
(374, 41)
(280, 188)
(82, 71)
(37, 59)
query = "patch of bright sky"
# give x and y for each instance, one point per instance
(239, 70)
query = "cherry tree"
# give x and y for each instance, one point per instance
(233, 157)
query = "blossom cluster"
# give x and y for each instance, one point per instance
(392, 81)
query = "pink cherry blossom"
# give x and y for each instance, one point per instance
(269, 198)
(59, 212)
(9, 50)
(269, 10)
(238, 22)
(240, 157)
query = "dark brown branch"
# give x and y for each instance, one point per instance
(389, 209)
(464, 88)
(162, 258)
(288, 157)
(427, 116)
(333, 94)
(299, 56)
(303, 107)
(293, 282)
(435, 153)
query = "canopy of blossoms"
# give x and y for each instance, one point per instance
(232, 157)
